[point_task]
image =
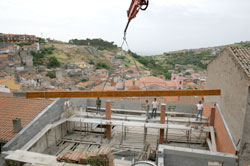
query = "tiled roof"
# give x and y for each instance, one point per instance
(25, 109)
(84, 84)
(242, 55)
(100, 88)
(3, 55)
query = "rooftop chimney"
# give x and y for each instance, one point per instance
(17, 126)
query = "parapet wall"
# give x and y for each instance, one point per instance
(223, 137)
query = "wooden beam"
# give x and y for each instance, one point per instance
(125, 93)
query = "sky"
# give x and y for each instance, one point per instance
(166, 25)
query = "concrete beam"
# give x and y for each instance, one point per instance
(125, 93)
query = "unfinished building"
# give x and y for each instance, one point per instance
(173, 138)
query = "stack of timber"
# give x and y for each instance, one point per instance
(102, 156)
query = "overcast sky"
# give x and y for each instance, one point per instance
(166, 25)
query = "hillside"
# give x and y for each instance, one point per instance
(180, 60)
(99, 51)
(68, 53)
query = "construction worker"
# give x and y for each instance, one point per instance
(66, 104)
(199, 108)
(154, 108)
(98, 104)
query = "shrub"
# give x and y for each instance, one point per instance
(53, 62)
(91, 62)
(51, 74)
(101, 65)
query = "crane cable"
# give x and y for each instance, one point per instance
(125, 41)
(137, 68)
(111, 72)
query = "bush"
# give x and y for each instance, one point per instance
(84, 80)
(41, 40)
(101, 65)
(187, 74)
(37, 57)
(121, 57)
(91, 62)
(23, 44)
(51, 74)
(53, 62)
(167, 75)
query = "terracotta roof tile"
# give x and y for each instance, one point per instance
(25, 109)
(3, 55)
(242, 55)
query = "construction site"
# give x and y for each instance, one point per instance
(120, 134)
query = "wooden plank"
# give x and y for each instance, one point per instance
(125, 93)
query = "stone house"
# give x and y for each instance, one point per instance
(27, 58)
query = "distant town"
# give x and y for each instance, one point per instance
(20, 69)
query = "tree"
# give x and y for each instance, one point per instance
(167, 75)
(51, 74)
(101, 65)
(91, 62)
(84, 80)
(187, 74)
(53, 62)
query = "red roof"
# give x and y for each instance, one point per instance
(242, 55)
(13, 107)
(84, 84)
(3, 55)
(29, 46)
(100, 88)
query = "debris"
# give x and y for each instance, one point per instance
(101, 156)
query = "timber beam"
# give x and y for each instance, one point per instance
(124, 93)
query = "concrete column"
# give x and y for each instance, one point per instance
(162, 121)
(212, 116)
(108, 117)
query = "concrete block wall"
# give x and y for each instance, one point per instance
(49, 115)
